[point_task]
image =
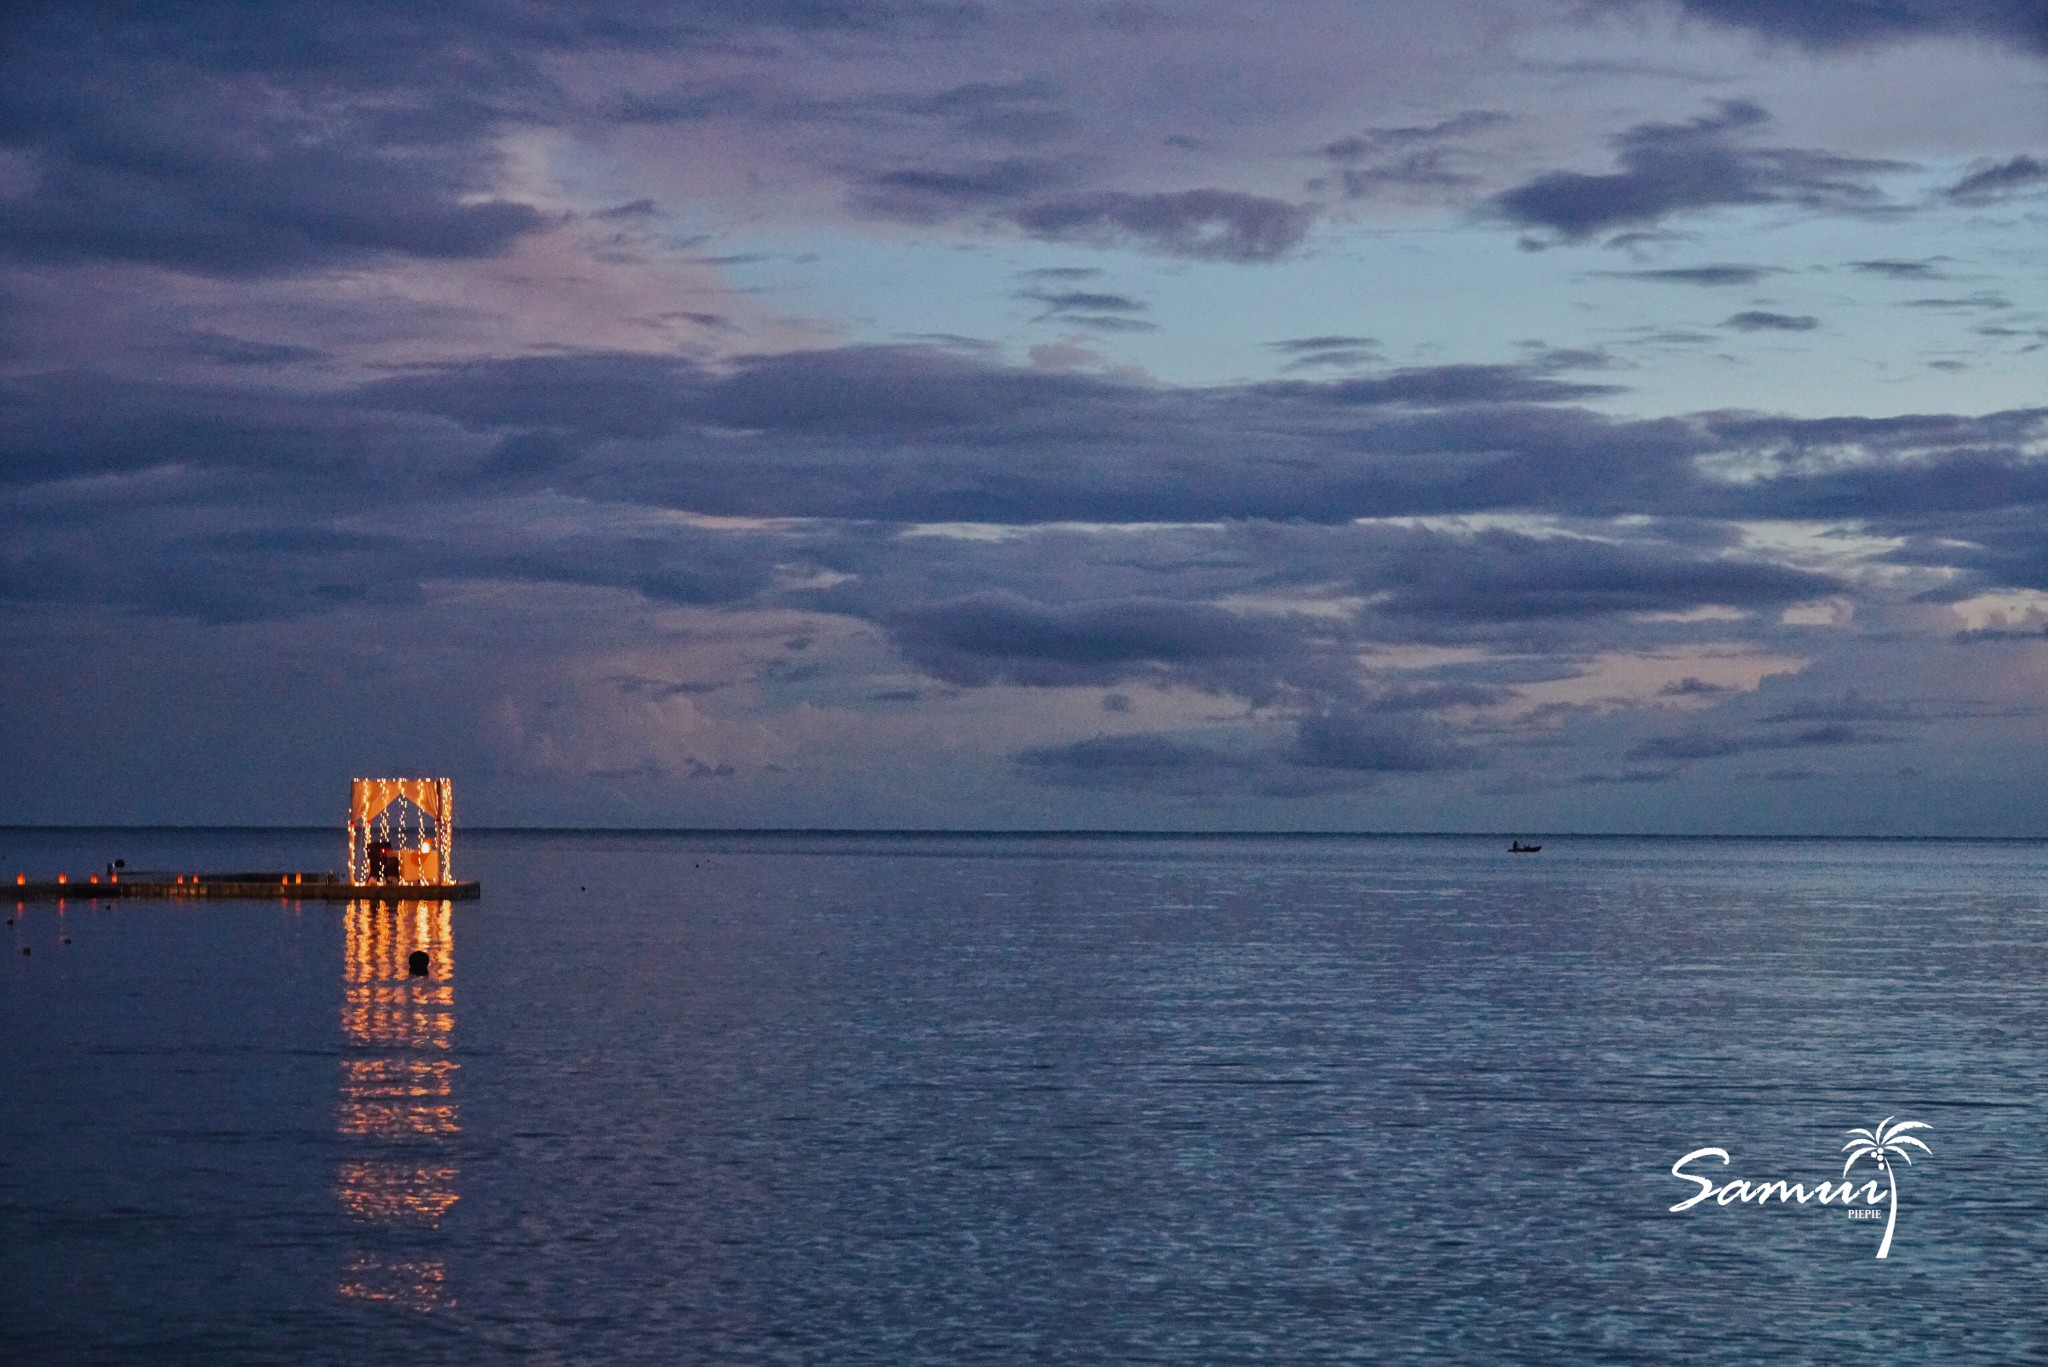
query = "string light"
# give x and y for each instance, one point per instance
(407, 821)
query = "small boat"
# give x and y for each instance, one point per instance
(1517, 847)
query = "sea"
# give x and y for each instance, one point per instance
(1093, 1099)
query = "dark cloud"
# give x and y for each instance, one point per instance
(1855, 23)
(1021, 112)
(1095, 309)
(1083, 301)
(1985, 300)
(232, 141)
(1144, 763)
(1374, 140)
(1901, 270)
(1598, 778)
(1849, 706)
(1434, 697)
(237, 140)
(1701, 275)
(1502, 576)
(1415, 156)
(592, 396)
(910, 433)
(1690, 687)
(925, 194)
(639, 208)
(1988, 182)
(1161, 765)
(1448, 385)
(1698, 745)
(241, 351)
(1202, 225)
(1675, 168)
(1329, 752)
(998, 636)
(1366, 744)
(1760, 320)
(1329, 351)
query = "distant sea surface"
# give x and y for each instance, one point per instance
(1006, 1099)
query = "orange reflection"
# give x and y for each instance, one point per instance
(420, 1284)
(397, 1093)
(396, 1192)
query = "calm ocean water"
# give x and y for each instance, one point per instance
(1026, 1100)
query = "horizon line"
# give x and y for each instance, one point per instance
(996, 832)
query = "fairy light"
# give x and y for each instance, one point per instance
(406, 820)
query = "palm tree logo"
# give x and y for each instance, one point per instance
(1885, 1143)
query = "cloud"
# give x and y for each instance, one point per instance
(1102, 311)
(926, 194)
(1848, 707)
(997, 636)
(597, 395)
(1414, 156)
(1600, 778)
(1374, 140)
(1502, 576)
(1328, 351)
(1328, 752)
(1928, 269)
(1690, 687)
(1987, 182)
(1364, 744)
(1700, 275)
(909, 434)
(242, 351)
(1447, 385)
(1855, 23)
(1201, 225)
(1677, 168)
(1143, 763)
(253, 144)
(1697, 745)
(1759, 320)
(1984, 300)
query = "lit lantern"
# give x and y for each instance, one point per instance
(61, 878)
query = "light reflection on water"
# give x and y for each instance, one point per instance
(398, 1092)
(814, 1100)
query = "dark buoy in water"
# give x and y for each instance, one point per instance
(24, 949)
(65, 941)
(416, 963)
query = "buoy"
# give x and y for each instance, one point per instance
(65, 941)
(24, 949)
(416, 963)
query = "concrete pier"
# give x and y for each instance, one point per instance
(270, 887)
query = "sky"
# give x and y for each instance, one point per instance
(1487, 415)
